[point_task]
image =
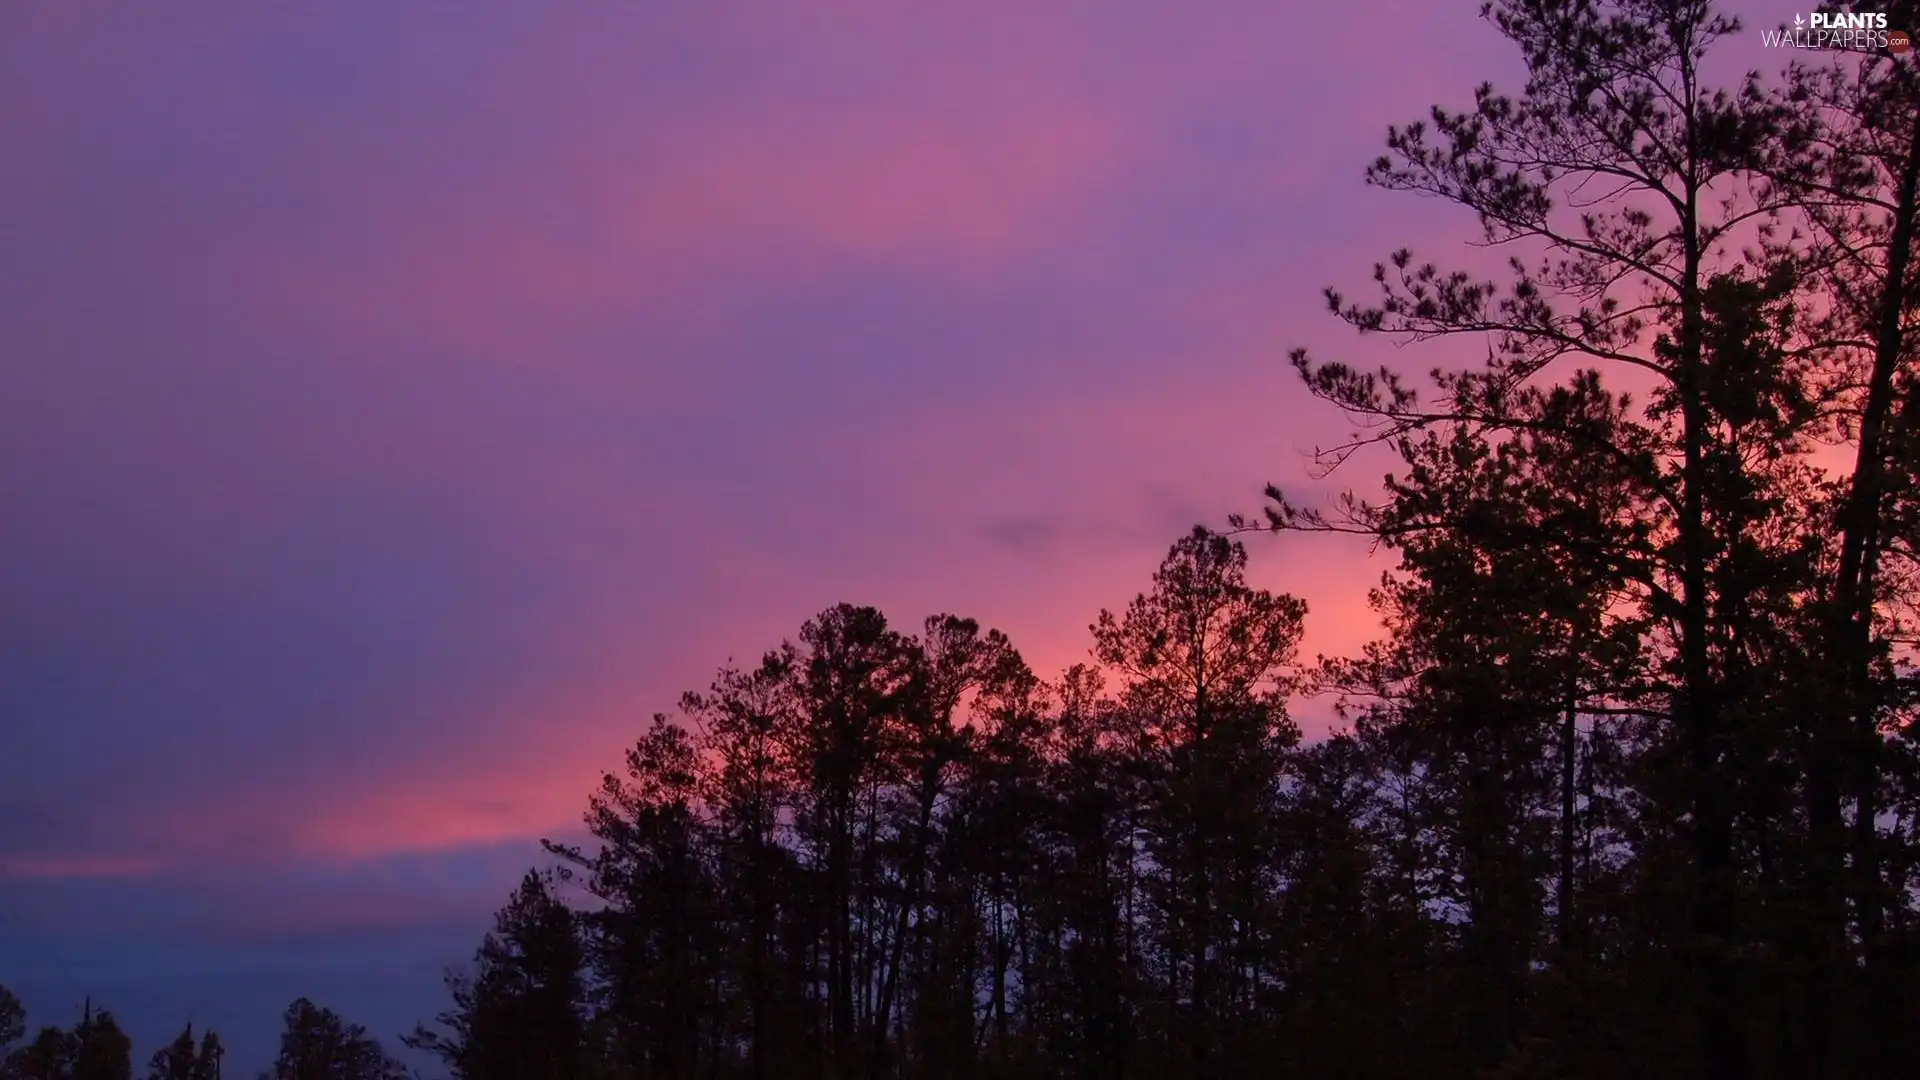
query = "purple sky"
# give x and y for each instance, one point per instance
(400, 401)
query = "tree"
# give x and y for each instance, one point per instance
(1088, 885)
(1497, 643)
(950, 661)
(655, 939)
(101, 1050)
(316, 1044)
(96, 1049)
(521, 1016)
(847, 688)
(185, 1059)
(13, 1021)
(750, 790)
(1858, 194)
(1200, 659)
(49, 1055)
(1615, 102)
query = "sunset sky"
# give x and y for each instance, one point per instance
(402, 400)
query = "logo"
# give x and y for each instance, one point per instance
(1858, 31)
(1848, 20)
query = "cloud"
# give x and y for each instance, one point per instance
(1160, 514)
(1028, 534)
(1001, 177)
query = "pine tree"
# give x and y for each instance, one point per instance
(521, 1015)
(316, 1044)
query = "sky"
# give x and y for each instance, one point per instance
(400, 402)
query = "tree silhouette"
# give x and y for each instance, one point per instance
(48, 1056)
(1201, 658)
(1859, 187)
(184, 1059)
(94, 1049)
(13, 1021)
(1724, 557)
(521, 1016)
(316, 1044)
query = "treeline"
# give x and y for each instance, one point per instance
(881, 854)
(1628, 789)
(316, 1044)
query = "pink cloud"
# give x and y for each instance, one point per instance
(486, 789)
(1001, 176)
(924, 184)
